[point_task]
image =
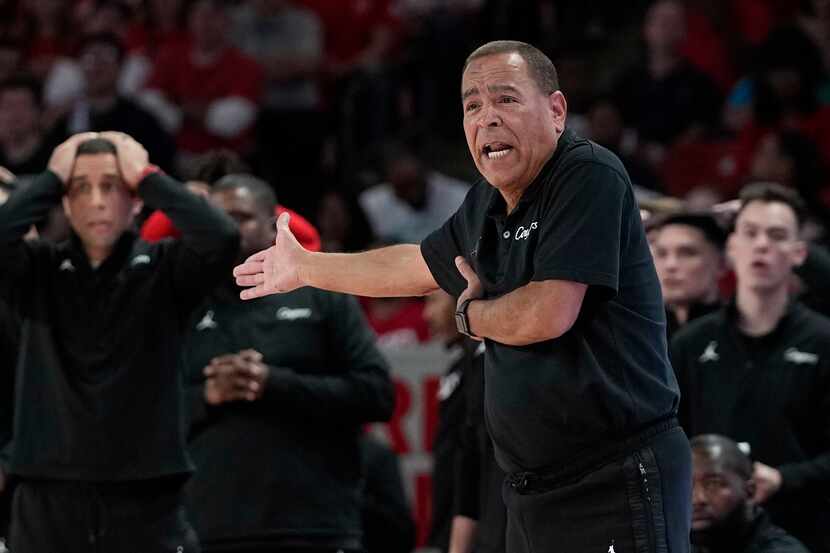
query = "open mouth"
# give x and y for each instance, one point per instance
(496, 150)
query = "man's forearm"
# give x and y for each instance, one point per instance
(394, 271)
(535, 312)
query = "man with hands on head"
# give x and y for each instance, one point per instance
(285, 383)
(549, 261)
(98, 450)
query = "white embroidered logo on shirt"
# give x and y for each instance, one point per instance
(142, 259)
(288, 314)
(207, 322)
(524, 233)
(800, 357)
(709, 354)
(66, 265)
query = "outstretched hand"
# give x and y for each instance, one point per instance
(274, 270)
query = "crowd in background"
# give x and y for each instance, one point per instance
(351, 111)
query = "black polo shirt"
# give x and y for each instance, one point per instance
(548, 403)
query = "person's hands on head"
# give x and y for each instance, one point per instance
(235, 377)
(767, 482)
(133, 159)
(63, 157)
(273, 270)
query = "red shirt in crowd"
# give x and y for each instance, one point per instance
(183, 82)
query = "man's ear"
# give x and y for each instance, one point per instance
(559, 109)
(799, 253)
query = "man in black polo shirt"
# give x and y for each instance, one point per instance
(688, 255)
(550, 264)
(758, 370)
(98, 443)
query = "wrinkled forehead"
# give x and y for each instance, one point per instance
(496, 69)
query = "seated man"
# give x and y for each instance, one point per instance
(725, 518)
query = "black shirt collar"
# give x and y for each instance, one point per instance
(732, 320)
(498, 207)
(114, 261)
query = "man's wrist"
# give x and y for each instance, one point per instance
(462, 318)
(146, 172)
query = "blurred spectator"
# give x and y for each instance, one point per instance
(814, 21)
(413, 201)
(344, 226)
(286, 384)
(725, 517)
(103, 108)
(452, 411)
(203, 172)
(11, 58)
(9, 336)
(287, 41)
(663, 97)
(360, 38)
(791, 159)
(688, 256)
(605, 127)
(24, 147)
(160, 25)
(206, 91)
(387, 519)
(398, 322)
(50, 36)
(757, 370)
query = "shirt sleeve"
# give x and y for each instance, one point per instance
(581, 228)
(443, 245)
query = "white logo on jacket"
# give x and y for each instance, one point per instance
(66, 265)
(793, 355)
(524, 233)
(206, 322)
(142, 259)
(288, 314)
(710, 353)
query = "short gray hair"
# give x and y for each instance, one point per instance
(539, 66)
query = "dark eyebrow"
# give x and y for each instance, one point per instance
(494, 88)
(469, 92)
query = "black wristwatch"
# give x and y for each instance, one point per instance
(462, 321)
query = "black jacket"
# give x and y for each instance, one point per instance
(760, 535)
(288, 465)
(772, 392)
(98, 393)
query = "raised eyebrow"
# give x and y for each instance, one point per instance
(469, 92)
(503, 88)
